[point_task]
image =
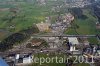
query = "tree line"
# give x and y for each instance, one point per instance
(17, 38)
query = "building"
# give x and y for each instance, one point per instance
(84, 41)
(77, 3)
(98, 51)
(73, 41)
(10, 59)
(98, 26)
(73, 1)
(68, 18)
(41, 2)
(24, 59)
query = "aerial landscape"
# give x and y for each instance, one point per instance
(49, 32)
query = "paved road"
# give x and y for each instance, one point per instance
(64, 35)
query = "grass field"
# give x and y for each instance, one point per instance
(93, 41)
(29, 13)
(25, 18)
(70, 31)
(86, 26)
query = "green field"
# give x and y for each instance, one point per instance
(86, 26)
(27, 14)
(71, 31)
(93, 41)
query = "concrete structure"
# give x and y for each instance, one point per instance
(98, 25)
(23, 60)
(41, 2)
(73, 42)
(77, 3)
(27, 60)
(98, 51)
(68, 17)
(72, 48)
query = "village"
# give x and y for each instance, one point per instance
(52, 39)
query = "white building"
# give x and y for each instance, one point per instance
(73, 41)
(23, 59)
(98, 51)
(27, 60)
